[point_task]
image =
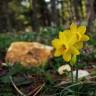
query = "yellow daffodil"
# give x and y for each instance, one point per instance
(80, 33)
(64, 45)
(70, 42)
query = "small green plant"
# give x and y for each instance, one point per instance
(68, 45)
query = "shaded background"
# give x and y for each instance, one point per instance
(41, 20)
(31, 15)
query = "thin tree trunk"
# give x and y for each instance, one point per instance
(91, 15)
(54, 15)
(35, 20)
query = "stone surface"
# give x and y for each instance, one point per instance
(62, 69)
(81, 73)
(28, 53)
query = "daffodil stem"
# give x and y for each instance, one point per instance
(77, 73)
(77, 79)
(71, 72)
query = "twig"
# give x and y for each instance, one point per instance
(39, 89)
(17, 89)
(30, 93)
(62, 83)
(92, 77)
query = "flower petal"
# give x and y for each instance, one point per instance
(56, 43)
(85, 38)
(67, 56)
(57, 53)
(79, 45)
(63, 36)
(73, 28)
(81, 29)
(75, 51)
(70, 37)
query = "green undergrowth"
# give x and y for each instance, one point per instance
(24, 77)
(47, 76)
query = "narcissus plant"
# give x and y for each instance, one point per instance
(68, 45)
(70, 42)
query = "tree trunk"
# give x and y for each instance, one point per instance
(35, 20)
(54, 14)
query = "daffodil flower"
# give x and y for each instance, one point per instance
(68, 45)
(80, 33)
(64, 45)
(70, 42)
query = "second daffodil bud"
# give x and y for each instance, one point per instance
(73, 60)
(64, 68)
